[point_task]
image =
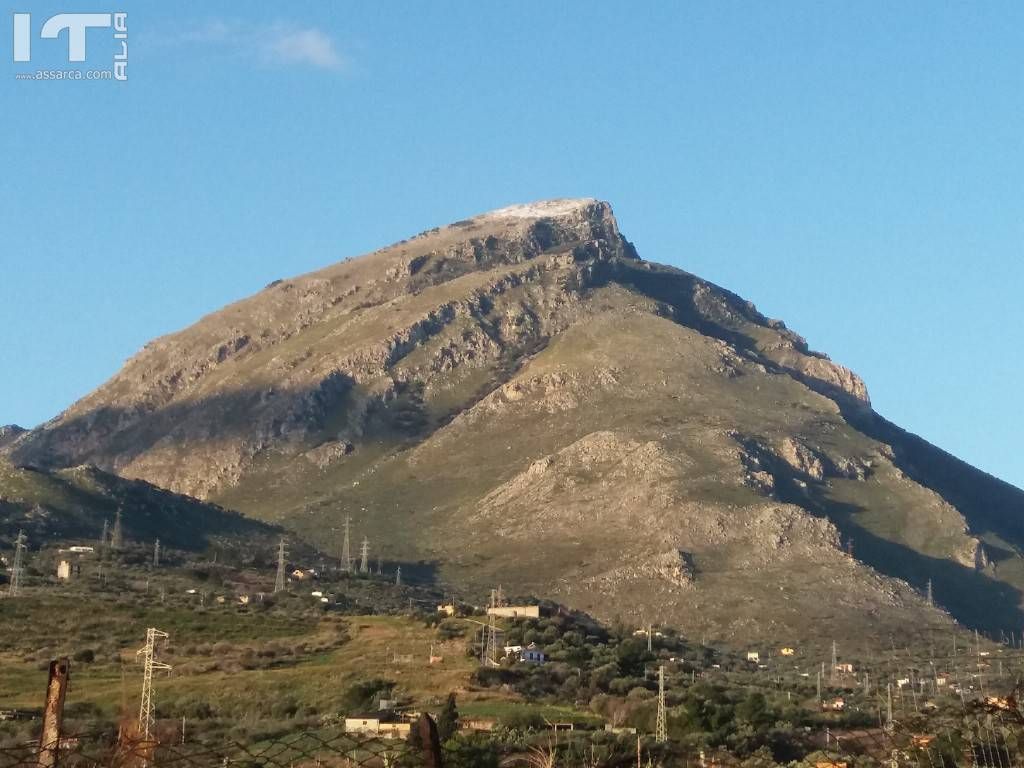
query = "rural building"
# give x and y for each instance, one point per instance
(66, 569)
(385, 726)
(478, 723)
(844, 669)
(531, 654)
(787, 651)
(753, 656)
(448, 610)
(515, 611)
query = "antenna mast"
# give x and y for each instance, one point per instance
(147, 722)
(282, 553)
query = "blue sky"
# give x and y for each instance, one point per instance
(852, 168)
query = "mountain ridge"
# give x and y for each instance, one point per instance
(622, 390)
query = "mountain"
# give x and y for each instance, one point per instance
(71, 505)
(520, 398)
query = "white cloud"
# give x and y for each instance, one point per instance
(280, 43)
(306, 46)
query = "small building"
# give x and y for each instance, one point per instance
(515, 611)
(385, 726)
(300, 575)
(66, 569)
(513, 650)
(531, 654)
(244, 599)
(619, 730)
(753, 656)
(787, 651)
(447, 609)
(81, 550)
(844, 669)
(478, 723)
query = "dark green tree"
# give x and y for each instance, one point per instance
(448, 720)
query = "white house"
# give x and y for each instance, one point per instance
(531, 654)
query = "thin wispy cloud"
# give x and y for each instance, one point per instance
(272, 44)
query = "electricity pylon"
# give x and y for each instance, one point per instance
(661, 726)
(146, 720)
(19, 548)
(117, 537)
(364, 556)
(346, 548)
(282, 553)
(491, 659)
(931, 597)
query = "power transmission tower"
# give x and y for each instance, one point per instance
(117, 537)
(931, 599)
(888, 705)
(148, 653)
(364, 556)
(661, 727)
(19, 548)
(156, 553)
(398, 577)
(282, 553)
(103, 536)
(491, 654)
(346, 548)
(499, 597)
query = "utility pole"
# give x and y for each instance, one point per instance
(364, 556)
(117, 537)
(380, 565)
(398, 576)
(156, 553)
(148, 652)
(661, 727)
(931, 599)
(888, 705)
(835, 662)
(650, 642)
(19, 548)
(346, 548)
(103, 536)
(282, 553)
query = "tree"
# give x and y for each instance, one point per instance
(448, 720)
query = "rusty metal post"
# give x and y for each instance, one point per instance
(430, 742)
(53, 714)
